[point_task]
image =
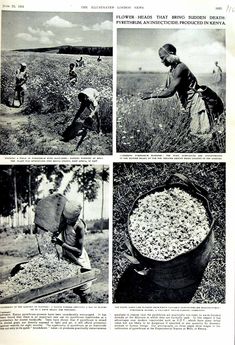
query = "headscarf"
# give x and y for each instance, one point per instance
(170, 53)
(72, 210)
(168, 48)
(91, 94)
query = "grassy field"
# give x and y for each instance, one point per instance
(15, 246)
(51, 104)
(159, 125)
(133, 179)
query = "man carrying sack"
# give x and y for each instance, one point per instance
(65, 221)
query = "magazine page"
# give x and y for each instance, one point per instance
(117, 172)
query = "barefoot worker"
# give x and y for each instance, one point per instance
(20, 83)
(192, 96)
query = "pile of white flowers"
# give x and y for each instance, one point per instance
(168, 223)
(39, 271)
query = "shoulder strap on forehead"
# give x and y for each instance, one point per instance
(165, 50)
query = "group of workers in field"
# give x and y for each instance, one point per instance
(88, 98)
(201, 104)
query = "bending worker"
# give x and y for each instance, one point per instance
(72, 243)
(183, 82)
(60, 216)
(89, 99)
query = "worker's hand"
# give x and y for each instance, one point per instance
(92, 114)
(56, 240)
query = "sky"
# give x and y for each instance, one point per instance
(198, 49)
(47, 29)
(92, 210)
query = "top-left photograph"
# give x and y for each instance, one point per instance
(56, 83)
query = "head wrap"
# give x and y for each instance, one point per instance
(91, 94)
(72, 210)
(168, 48)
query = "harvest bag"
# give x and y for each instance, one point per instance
(187, 268)
(213, 103)
(49, 211)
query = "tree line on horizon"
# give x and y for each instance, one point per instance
(67, 49)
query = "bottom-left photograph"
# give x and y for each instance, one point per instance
(54, 232)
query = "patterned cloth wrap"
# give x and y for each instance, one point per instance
(200, 123)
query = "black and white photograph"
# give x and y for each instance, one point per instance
(56, 83)
(54, 230)
(169, 233)
(171, 90)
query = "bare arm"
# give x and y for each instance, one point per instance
(171, 89)
(75, 250)
(93, 105)
(168, 92)
(79, 112)
(93, 111)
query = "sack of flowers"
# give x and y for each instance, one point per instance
(170, 233)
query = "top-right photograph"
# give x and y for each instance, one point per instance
(171, 91)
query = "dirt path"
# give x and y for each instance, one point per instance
(11, 117)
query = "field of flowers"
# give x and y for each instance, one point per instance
(159, 125)
(51, 103)
(133, 179)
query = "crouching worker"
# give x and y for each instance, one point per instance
(72, 244)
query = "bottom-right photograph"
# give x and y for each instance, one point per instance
(169, 233)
